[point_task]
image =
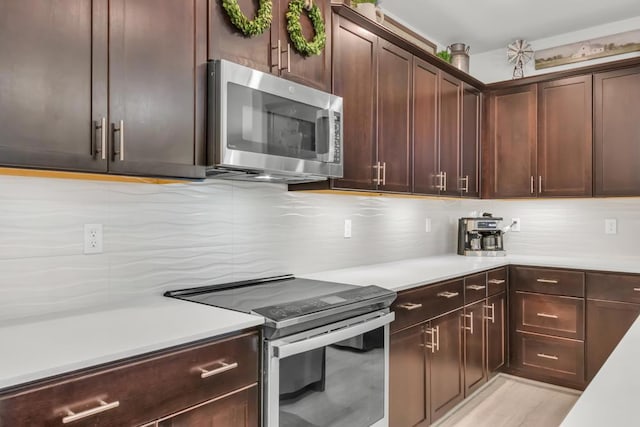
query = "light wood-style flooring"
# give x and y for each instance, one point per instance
(513, 402)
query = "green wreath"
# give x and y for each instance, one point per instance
(307, 48)
(260, 23)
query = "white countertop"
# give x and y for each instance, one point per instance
(54, 345)
(612, 396)
(410, 273)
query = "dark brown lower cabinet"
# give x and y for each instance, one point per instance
(445, 369)
(407, 378)
(496, 336)
(238, 409)
(474, 347)
(606, 324)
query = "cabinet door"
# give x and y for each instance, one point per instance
(394, 105)
(407, 377)
(314, 70)
(239, 409)
(509, 160)
(227, 42)
(607, 322)
(425, 127)
(616, 131)
(565, 137)
(355, 79)
(53, 75)
(474, 351)
(446, 388)
(470, 146)
(496, 333)
(157, 60)
(450, 112)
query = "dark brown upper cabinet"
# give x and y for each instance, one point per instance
(616, 133)
(425, 128)
(509, 152)
(272, 51)
(103, 86)
(355, 75)
(449, 134)
(53, 78)
(564, 137)
(469, 182)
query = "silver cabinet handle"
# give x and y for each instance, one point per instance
(278, 48)
(549, 281)
(470, 317)
(433, 346)
(636, 289)
(444, 187)
(497, 281)
(104, 406)
(448, 294)
(491, 307)
(547, 356)
(223, 368)
(532, 183)
(384, 173)
(102, 147)
(118, 149)
(410, 306)
(548, 316)
(437, 338)
(377, 180)
(288, 57)
(441, 181)
(465, 188)
(476, 287)
(540, 184)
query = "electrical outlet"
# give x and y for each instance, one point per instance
(93, 238)
(610, 226)
(347, 228)
(427, 225)
(516, 224)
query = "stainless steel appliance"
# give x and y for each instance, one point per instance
(325, 348)
(481, 236)
(265, 128)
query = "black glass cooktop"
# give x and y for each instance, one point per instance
(281, 298)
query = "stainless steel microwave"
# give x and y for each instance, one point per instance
(265, 128)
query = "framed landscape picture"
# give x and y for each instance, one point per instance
(589, 49)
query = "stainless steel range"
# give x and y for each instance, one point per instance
(325, 348)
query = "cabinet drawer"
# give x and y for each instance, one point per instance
(415, 306)
(144, 390)
(496, 281)
(614, 287)
(547, 356)
(548, 281)
(475, 288)
(551, 315)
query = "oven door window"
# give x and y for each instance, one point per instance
(259, 122)
(341, 385)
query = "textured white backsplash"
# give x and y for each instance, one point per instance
(160, 237)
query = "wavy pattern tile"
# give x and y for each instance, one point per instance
(160, 237)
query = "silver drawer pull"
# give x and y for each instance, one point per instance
(476, 287)
(104, 406)
(410, 306)
(553, 282)
(549, 316)
(224, 368)
(636, 289)
(448, 294)
(497, 281)
(547, 356)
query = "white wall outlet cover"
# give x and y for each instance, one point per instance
(93, 238)
(611, 226)
(515, 224)
(427, 225)
(347, 228)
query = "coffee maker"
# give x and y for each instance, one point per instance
(480, 236)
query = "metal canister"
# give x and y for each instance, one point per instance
(459, 56)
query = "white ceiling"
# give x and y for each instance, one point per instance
(492, 24)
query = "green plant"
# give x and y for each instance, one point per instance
(307, 48)
(444, 55)
(260, 23)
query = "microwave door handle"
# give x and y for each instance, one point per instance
(282, 350)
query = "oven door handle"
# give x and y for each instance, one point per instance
(282, 349)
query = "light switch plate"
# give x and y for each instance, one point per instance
(427, 225)
(347, 228)
(610, 226)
